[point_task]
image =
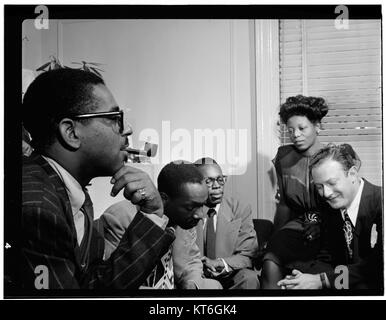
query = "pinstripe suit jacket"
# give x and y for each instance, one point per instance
(49, 239)
(366, 269)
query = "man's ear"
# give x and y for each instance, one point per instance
(68, 133)
(353, 172)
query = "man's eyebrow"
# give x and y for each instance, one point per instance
(194, 203)
(116, 108)
(198, 203)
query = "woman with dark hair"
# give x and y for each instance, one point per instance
(297, 220)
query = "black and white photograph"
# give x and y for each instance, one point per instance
(193, 151)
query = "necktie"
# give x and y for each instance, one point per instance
(210, 235)
(162, 276)
(82, 221)
(348, 230)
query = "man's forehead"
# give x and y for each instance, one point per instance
(104, 98)
(211, 170)
(328, 169)
(189, 191)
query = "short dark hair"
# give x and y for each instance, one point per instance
(344, 154)
(175, 174)
(203, 161)
(314, 108)
(54, 95)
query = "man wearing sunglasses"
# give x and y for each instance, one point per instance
(78, 134)
(226, 236)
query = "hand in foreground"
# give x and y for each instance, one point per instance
(138, 188)
(189, 285)
(300, 280)
(213, 268)
(311, 231)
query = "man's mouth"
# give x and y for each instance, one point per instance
(331, 199)
(124, 147)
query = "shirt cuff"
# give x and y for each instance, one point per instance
(325, 282)
(227, 269)
(162, 222)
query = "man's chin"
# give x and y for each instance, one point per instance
(334, 204)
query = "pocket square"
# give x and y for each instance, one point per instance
(374, 236)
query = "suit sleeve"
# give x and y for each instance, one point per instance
(187, 262)
(246, 245)
(49, 251)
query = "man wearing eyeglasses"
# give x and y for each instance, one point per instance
(226, 236)
(184, 194)
(78, 134)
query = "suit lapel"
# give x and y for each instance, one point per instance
(363, 210)
(61, 190)
(226, 231)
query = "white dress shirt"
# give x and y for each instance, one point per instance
(77, 198)
(353, 208)
(75, 195)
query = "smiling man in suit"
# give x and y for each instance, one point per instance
(352, 225)
(226, 236)
(78, 133)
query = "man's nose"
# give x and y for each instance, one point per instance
(216, 184)
(128, 130)
(327, 192)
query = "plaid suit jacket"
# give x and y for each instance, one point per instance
(49, 239)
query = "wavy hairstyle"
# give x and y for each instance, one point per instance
(343, 153)
(314, 108)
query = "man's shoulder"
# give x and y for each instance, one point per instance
(235, 205)
(372, 195)
(38, 188)
(372, 189)
(120, 214)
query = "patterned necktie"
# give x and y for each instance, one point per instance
(82, 221)
(348, 230)
(162, 276)
(210, 246)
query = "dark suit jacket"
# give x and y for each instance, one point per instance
(366, 268)
(49, 239)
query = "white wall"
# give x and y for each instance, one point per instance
(189, 74)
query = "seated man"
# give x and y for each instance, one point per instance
(78, 134)
(353, 224)
(226, 237)
(183, 193)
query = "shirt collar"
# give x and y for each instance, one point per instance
(216, 208)
(353, 208)
(74, 189)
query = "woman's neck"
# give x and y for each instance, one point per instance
(313, 149)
